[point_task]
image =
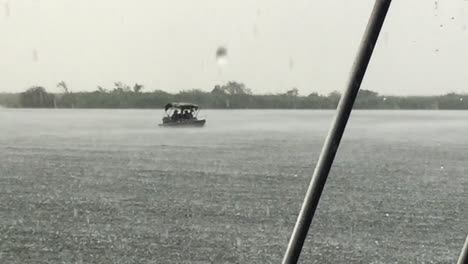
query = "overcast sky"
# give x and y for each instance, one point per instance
(273, 45)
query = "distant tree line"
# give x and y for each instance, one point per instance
(232, 95)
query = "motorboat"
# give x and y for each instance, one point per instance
(182, 115)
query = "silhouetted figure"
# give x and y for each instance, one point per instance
(176, 115)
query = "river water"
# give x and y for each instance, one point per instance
(110, 186)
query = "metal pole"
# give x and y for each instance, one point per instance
(463, 259)
(332, 142)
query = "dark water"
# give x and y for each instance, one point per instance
(110, 186)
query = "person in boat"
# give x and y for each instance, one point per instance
(175, 116)
(186, 114)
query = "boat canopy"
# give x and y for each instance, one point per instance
(181, 106)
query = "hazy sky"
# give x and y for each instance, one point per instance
(273, 45)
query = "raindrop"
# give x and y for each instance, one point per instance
(461, 98)
(291, 63)
(255, 31)
(385, 98)
(295, 175)
(7, 9)
(442, 167)
(437, 50)
(35, 55)
(441, 25)
(453, 18)
(385, 36)
(238, 242)
(221, 56)
(387, 215)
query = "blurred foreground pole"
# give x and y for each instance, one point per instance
(332, 142)
(463, 259)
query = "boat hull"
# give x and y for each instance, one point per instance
(185, 123)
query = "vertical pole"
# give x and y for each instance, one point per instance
(463, 259)
(332, 142)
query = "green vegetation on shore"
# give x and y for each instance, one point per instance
(232, 95)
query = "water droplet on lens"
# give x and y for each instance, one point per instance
(221, 56)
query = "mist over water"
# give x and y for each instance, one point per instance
(141, 126)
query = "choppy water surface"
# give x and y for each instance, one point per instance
(110, 186)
